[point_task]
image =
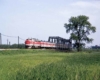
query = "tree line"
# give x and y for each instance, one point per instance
(5, 46)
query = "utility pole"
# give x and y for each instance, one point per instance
(18, 41)
(0, 39)
(9, 45)
(7, 41)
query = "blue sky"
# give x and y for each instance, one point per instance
(43, 18)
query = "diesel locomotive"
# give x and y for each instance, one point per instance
(54, 42)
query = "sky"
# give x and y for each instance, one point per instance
(43, 18)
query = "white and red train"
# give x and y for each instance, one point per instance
(53, 42)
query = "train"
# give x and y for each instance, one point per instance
(54, 42)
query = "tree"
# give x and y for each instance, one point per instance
(79, 28)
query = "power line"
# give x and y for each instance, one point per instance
(21, 39)
(13, 37)
(17, 37)
(9, 36)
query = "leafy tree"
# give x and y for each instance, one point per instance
(79, 28)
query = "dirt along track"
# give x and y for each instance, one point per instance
(8, 49)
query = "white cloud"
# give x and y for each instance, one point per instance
(82, 7)
(85, 4)
(90, 9)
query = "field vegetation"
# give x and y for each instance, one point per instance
(49, 65)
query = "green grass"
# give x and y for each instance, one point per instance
(75, 67)
(12, 61)
(49, 65)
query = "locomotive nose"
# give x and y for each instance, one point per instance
(28, 43)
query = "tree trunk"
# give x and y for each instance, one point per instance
(78, 47)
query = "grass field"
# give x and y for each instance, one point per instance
(12, 61)
(49, 65)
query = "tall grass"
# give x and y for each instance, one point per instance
(27, 51)
(12, 61)
(74, 67)
(49, 65)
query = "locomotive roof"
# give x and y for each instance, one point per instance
(33, 39)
